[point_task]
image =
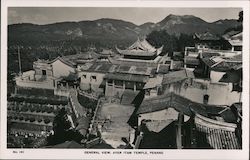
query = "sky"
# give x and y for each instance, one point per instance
(47, 15)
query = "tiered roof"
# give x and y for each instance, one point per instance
(141, 48)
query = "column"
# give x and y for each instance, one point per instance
(67, 85)
(123, 85)
(134, 86)
(113, 87)
(15, 90)
(55, 82)
(178, 131)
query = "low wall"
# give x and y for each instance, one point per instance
(60, 92)
(49, 84)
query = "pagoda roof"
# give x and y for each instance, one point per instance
(207, 36)
(140, 48)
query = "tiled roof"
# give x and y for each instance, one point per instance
(234, 38)
(142, 70)
(163, 68)
(218, 135)
(163, 102)
(228, 35)
(140, 48)
(176, 76)
(101, 67)
(136, 52)
(221, 65)
(127, 77)
(132, 63)
(192, 61)
(106, 52)
(231, 77)
(143, 45)
(235, 42)
(210, 54)
(224, 113)
(65, 61)
(206, 36)
(236, 58)
(186, 106)
(153, 82)
(238, 106)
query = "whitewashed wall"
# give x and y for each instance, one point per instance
(216, 76)
(62, 70)
(86, 82)
(219, 93)
(48, 84)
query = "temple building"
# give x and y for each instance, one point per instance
(48, 74)
(141, 50)
(208, 40)
(125, 78)
(92, 76)
(234, 39)
(172, 121)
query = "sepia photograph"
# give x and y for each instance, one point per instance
(126, 80)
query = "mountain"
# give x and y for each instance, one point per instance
(189, 24)
(98, 29)
(110, 30)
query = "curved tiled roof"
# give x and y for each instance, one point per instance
(140, 48)
(217, 134)
(67, 62)
(206, 36)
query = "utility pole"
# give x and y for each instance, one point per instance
(19, 60)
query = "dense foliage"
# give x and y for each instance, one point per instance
(62, 130)
(170, 42)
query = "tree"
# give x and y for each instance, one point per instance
(170, 42)
(240, 16)
(162, 38)
(60, 123)
(62, 130)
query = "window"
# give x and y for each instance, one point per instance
(205, 99)
(43, 72)
(237, 48)
(93, 78)
(84, 76)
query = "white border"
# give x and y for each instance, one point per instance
(79, 153)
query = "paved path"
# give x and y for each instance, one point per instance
(118, 127)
